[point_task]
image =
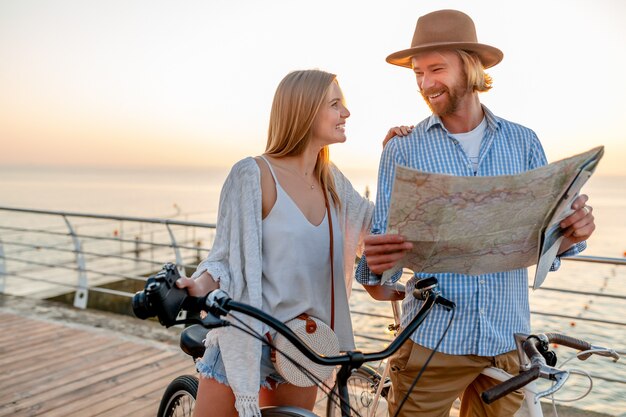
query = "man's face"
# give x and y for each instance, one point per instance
(441, 80)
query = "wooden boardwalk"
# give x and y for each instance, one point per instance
(57, 361)
(52, 369)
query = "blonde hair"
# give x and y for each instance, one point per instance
(296, 103)
(477, 78)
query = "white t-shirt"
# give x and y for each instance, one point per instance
(470, 142)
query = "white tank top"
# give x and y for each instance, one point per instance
(296, 266)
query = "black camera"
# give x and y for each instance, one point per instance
(161, 297)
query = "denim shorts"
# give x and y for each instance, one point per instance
(212, 366)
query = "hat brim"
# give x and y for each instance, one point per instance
(489, 56)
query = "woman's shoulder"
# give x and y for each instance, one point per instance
(245, 169)
(338, 176)
(245, 164)
(242, 184)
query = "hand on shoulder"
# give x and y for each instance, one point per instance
(397, 131)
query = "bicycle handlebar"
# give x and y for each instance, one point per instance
(572, 342)
(510, 385)
(533, 347)
(217, 303)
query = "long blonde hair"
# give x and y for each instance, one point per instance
(296, 103)
(477, 78)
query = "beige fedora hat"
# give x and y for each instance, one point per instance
(446, 29)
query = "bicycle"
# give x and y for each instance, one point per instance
(368, 387)
(179, 397)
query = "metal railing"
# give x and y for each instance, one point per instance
(45, 252)
(20, 244)
(63, 251)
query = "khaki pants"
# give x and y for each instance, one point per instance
(446, 378)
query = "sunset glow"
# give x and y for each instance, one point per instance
(157, 83)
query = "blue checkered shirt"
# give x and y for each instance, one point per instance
(490, 307)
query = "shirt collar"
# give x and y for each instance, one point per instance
(493, 123)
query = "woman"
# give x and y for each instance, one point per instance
(272, 246)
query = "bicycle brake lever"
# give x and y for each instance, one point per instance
(554, 374)
(601, 351)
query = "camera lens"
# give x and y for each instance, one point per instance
(141, 308)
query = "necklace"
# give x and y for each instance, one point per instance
(297, 174)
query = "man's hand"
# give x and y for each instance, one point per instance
(383, 251)
(397, 131)
(579, 225)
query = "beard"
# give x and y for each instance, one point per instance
(451, 104)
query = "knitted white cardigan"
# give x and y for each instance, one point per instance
(235, 259)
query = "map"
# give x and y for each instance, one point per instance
(479, 225)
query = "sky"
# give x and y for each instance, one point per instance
(190, 83)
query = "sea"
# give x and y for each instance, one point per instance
(193, 194)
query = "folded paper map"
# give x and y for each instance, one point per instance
(479, 225)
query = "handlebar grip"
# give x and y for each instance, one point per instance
(214, 302)
(571, 342)
(194, 304)
(531, 349)
(510, 385)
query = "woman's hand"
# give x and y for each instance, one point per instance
(397, 131)
(200, 286)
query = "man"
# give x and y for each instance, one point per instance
(461, 137)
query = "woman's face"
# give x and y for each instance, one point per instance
(329, 125)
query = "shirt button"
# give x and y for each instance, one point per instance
(482, 311)
(482, 281)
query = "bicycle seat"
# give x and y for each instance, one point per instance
(191, 340)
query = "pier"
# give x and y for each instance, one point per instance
(59, 362)
(60, 354)
(55, 363)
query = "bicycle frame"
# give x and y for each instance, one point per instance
(395, 306)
